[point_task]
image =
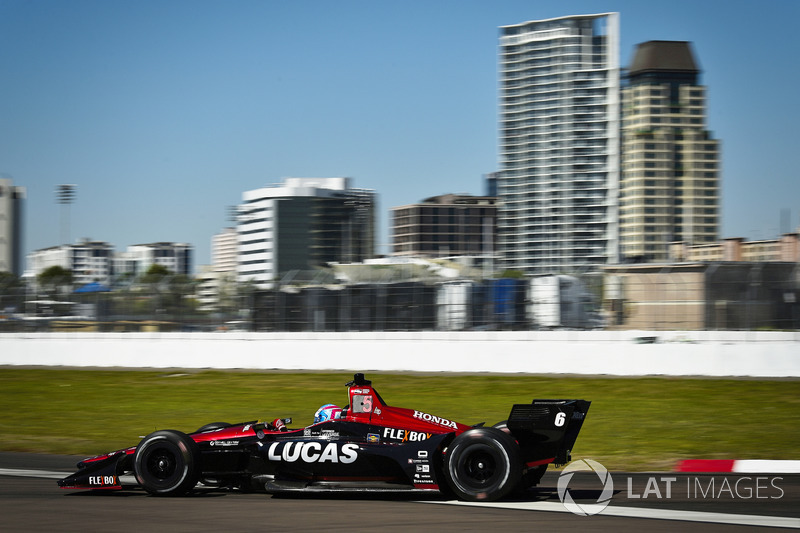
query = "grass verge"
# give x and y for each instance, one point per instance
(634, 424)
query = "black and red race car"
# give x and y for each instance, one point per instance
(371, 446)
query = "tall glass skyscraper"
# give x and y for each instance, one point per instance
(559, 144)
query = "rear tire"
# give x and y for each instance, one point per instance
(167, 463)
(483, 464)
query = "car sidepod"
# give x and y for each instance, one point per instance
(352, 456)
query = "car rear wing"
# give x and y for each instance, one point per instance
(547, 429)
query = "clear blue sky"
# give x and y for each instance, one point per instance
(163, 112)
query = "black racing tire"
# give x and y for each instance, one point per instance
(167, 463)
(212, 426)
(483, 464)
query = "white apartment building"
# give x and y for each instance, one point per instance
(215, 288)
(88, 261)
(302, 223)
(175, 257)
(225, 250)
(217, 282)
(559, 144)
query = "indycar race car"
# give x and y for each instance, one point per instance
(370, 446)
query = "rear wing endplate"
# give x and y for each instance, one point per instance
(548, 428)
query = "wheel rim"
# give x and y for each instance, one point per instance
(161, 464)
(479, 466)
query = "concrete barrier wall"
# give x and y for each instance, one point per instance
(620, 353)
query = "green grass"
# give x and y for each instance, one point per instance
(633, 424)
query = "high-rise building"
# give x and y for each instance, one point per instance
(224, 250)
(11, 198)
(559, 144)
(670, 173)
(303, 223)
(446, 225)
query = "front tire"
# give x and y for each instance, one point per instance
(167, 463)
(483, 464)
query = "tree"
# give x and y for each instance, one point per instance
(54, 277)
(169, 292)
(155, 274)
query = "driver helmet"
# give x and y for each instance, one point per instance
(327, 412)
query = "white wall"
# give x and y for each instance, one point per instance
(757, 354)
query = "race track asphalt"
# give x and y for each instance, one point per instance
(31, 501)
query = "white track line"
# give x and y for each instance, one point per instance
(761, 466)
(638, 512)
(19, 472)
(611, 510)
(47, 474)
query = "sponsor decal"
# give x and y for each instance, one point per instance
(435, 419)
(321, 433)
(313, 452)
(224, 443)
(423, 468)
(404, 435)
(102, 481)
(373, 437)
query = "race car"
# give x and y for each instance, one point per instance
(366, 446)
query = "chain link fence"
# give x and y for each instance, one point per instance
(703, 296)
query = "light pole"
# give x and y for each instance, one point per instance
(65, 195)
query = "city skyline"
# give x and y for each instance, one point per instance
(163, 114)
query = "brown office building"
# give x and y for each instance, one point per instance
(669, 189)
(445, 226)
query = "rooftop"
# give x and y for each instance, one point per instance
(664, 56)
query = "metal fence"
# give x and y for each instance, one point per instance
(711, 296)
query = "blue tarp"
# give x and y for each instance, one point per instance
(92, 287)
